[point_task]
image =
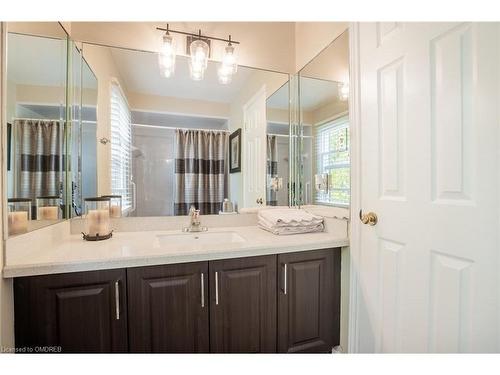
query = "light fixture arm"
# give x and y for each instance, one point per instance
(198, 35)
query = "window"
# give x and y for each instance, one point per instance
(332, 157)
(121, 140)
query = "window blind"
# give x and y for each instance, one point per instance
(121, 141)
(332, 156)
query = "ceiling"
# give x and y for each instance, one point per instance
(36, 61)
(141, 74)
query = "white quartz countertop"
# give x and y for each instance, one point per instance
(146, 248)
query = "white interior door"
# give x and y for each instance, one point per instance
(254, 150)
(427, 272)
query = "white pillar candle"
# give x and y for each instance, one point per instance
(115, 211)
(48, 213)
(18, 222)
(98, 222)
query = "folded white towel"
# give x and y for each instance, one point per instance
(289, 216)
(293, 230)
(289, 221)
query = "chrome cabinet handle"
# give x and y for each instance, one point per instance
(285, 281)
(117, 299)
(202, 280)
(216, 288)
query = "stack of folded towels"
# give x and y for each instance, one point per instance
(289, 221)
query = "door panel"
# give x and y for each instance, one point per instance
(243, 305)
(429, 143)
(168, 308)
(254, 150)
(83, 312)
(309, 301)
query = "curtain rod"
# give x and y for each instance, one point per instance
(286, 135)
(36, 119)
(175, 128)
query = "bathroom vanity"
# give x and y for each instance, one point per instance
(264, 304)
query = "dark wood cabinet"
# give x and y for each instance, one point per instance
(309, 301)
(168, 308)
(84, 312)
(284, 303)
(243, 305)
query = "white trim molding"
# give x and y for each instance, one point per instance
(355, 230)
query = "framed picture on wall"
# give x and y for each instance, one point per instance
(235, 152)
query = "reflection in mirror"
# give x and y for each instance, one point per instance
(277, 150)
(325, 155)
(83, 132)
(167, 139)
(36, 115)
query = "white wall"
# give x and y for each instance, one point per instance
(166, 104)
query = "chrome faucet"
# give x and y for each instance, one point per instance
(194, 222)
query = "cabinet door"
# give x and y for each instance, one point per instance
(309, 301)
(83, 312)
(243, 305)
(168, 308)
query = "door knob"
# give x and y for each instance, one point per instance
(260, 201)
(370, 218)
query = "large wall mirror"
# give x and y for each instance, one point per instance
(36, 116)
(324, 160)
(165, 144)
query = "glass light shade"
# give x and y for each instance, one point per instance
(224, 74)
(199, 51)
(166, 57)
(229, 59)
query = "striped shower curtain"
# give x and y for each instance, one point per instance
(200, 170)
(38, 157)
(272, 169)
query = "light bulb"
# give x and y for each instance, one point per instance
(166, 57)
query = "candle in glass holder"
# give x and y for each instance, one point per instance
(47, 207)
(18, 222)
(98, 222)
(97, 219)
(48, 213)
(18, 215)
(115, 205)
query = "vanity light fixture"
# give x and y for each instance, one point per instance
(199, 51)
(166, 57)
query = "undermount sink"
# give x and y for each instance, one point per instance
(201, 238)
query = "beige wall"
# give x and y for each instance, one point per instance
(268, 45)
(102, 64)
(328, 111)
(312, 37)
(6, 293)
